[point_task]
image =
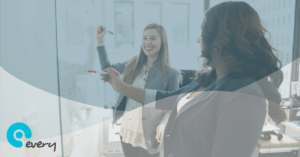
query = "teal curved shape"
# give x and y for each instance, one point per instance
(11, 131)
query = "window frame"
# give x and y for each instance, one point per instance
(188, 24)
(296, 44)
(161, 8)
(115, 29)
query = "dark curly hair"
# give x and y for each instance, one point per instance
(240, 35)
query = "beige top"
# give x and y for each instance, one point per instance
(131, 126)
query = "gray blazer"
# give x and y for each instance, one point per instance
(155, 80)
(224, 120)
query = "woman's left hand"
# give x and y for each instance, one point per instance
(160, 131)
(105, 77)
(114, 79)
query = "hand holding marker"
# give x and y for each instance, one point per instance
(104, 76)
(108, 31)
(101, 31)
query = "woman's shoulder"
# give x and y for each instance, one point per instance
(246, 85)
(173, 71)
(239, 82)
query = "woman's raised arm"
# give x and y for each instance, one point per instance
(104, 61)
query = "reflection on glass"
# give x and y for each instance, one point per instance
(124, 24)
(181, 24)
(152, 13)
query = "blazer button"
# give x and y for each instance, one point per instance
(170, 155)
(144, 118)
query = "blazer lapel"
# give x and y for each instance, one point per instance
(198, 99)
(191, 87)
(208, 92)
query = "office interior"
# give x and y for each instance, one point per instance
(47, 45)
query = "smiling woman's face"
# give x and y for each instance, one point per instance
(151, 42)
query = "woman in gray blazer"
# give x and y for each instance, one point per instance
(149, 70)
(222, 112)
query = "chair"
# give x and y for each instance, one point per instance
(186, 77)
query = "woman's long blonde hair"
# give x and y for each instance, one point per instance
(132, 68)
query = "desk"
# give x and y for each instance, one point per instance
(292, 130)
(287, 147)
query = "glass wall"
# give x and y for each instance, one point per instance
(44, 82)
(86, 102)
(29, 96)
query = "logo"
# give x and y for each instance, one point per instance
(16, 128)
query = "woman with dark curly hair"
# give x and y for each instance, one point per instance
(222, 112)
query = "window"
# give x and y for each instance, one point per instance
(124, 24)
(288, 40)
(264, 9)
(284, 1)
(273, 22)
(259, 11)
(282, 40)
(277, 41)
(291, 3)
(152, 13)
(278, 21)
(287, 57)
(274, 6)
(181, 24)
(279, 4)
(268, 7)
(283, 20)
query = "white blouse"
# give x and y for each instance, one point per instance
(183, 101)
(131, 126)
